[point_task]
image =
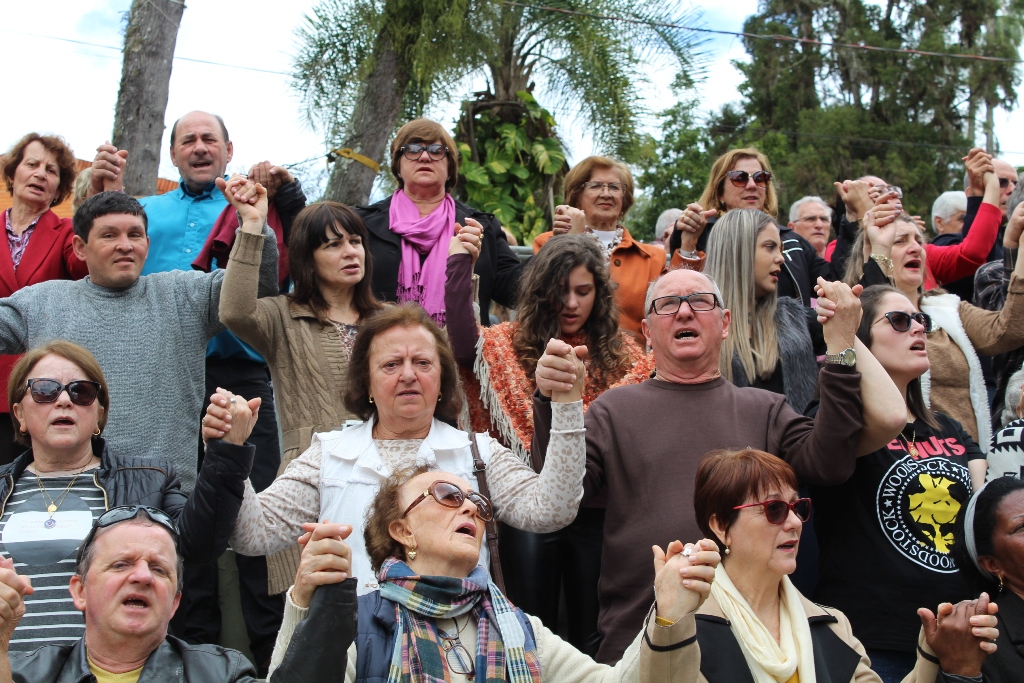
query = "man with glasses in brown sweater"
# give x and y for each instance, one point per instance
(645, 441)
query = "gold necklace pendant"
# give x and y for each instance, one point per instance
(912, 450)
(51, 508)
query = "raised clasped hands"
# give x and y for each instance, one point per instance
(230, 417)
(978, 163)
(570, 220)
(467, 239)
(691, 224)
(249, 199)
(839, 313)
(961, 635)
(683, 576)
(107, 169)
(13, 588)
(326, 558)
(560, 371)
(271, 177)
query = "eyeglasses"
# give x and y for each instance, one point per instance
(613, 188)
(456, 656)
(451, 496)
(741, 178)
(123, 513)
(776, 511)
(901, 321)
(1006, 182)
(82, 392)
(414, 150)
(698, 301)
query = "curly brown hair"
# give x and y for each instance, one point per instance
(357, 393)
(386, 508)
(542, 289)
(55, 145)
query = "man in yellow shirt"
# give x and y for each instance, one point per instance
(126, 583)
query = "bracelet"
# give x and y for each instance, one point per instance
(688, 255)
(882, 261)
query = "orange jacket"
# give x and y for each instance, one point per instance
(633, 267)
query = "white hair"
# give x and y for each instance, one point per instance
(668, 217)
(650, 293)
(794, 211)
(948, 203)
(1013, 392)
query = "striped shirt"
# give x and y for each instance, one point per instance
(44, 549)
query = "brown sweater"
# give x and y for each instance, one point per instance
(644, 443)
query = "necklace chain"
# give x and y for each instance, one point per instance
(910, 447)
(53, 505)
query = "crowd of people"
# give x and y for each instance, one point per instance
(751, 450)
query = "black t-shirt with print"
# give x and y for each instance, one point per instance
(885, 534)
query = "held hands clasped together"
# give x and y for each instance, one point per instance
(227, 411)
(561, 372)
(250, 200)
(683, 576)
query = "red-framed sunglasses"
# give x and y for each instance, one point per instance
(776, 511)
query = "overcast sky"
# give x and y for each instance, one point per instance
(71, 89)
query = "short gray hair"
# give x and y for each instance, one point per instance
(794, 211)
(650, 293)
(1012, 398)
(668, 217)
(948, 203)
(1015, 197)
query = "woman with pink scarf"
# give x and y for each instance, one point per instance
(409, 232)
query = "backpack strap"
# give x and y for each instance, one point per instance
(480, 471)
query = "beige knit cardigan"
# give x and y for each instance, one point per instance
(308, 366)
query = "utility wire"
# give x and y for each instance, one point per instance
(181, 59)
(773, 37)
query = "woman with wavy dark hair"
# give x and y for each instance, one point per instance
(566, 293)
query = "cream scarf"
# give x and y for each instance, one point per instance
(768, 662)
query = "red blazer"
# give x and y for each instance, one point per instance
(48, 256)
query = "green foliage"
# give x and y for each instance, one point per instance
(827, 115)
(510, 160)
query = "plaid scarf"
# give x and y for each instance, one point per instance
(505, 648)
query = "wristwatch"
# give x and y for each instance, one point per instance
(846, 357)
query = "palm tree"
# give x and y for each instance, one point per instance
(587, 63)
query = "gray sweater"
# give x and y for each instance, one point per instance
(150, 340)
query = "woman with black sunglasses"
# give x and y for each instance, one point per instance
(409, 232)
(756, 626)
(896, 254)
(886, 534)
(52, 493)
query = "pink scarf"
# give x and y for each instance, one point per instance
(423, 281)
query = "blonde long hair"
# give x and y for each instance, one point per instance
(730, 261)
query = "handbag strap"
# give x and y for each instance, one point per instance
(480, 471)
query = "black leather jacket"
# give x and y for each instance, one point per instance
(498, 266)
(174, 660)
(205, 519)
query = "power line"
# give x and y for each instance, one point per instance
(181, 59)
(773, 37)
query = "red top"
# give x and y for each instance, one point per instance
(48, 256)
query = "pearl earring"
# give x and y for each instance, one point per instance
(371, 399)
(727, 550)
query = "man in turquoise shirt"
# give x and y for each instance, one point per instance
(180, 222)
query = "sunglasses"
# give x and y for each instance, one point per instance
(414, 150)
(82, 392)
(901, 321)
(123, 513)
(741, 178)
(1006, 182)
(451, 496)
(776, 511)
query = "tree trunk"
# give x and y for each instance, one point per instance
(145, 78)
(373, 119)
